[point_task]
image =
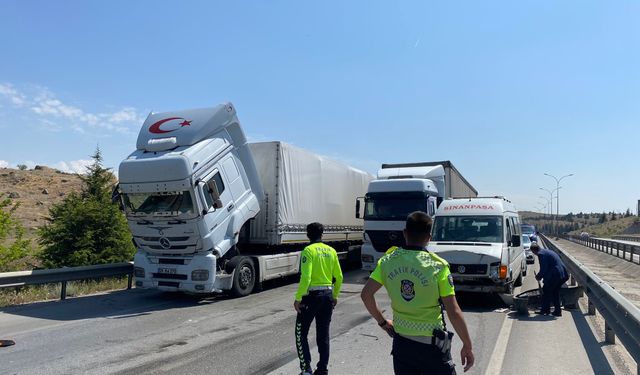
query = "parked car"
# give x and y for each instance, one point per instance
(585, 235)
(530, 230)
(526, 244)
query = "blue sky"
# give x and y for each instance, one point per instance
(505, 90)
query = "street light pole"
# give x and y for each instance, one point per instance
(545, 203)
(550, 200)
(558, 193)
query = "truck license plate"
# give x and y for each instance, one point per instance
(170, 271)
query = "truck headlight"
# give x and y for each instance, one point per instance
(138, 272)
(200, 275)
(199, 244)
(365, 237)
(494, 270)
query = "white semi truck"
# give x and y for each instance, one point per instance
(210, 212)
(398, 190)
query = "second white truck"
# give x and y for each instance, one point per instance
(398, 190)
(210, 212)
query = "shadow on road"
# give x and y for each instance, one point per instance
(479, 302)
(123, 304)
(598, 360)
(592, 346)
(120, 304)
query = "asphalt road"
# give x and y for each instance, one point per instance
(148, 332)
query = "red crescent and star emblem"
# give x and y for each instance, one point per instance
(155, 128)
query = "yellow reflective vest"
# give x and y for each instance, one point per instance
(319, 265)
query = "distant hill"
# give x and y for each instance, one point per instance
(36, 190)
(626, 225)
(580, 222)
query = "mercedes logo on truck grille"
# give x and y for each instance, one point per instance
(393, 236)
(165, 243)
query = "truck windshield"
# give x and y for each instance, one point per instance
(468, 228)
(173, 203)
(392, 207)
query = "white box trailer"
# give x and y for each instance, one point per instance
(299, 188)
(454, 184)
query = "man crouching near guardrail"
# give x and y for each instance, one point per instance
(553, 273)
(417, 282)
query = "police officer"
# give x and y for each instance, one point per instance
(554, 273)
(316, 297)
(416, 281)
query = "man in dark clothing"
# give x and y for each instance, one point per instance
(554, 274)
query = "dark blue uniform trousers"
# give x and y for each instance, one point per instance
(316, 305)
(551, 294)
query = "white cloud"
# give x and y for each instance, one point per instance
(51, 110)
(30, 164)
(75, 166)
(9, 92)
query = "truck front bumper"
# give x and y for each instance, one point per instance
(155, 272)
(481, 284)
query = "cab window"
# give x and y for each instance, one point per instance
(209, 194)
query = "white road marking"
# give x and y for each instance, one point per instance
(497, 357)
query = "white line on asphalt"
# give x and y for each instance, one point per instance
(497, 357)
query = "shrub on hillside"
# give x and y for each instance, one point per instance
(87, 228)
(13, 247)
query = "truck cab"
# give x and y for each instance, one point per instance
(187, 190)
(390, 198)
(481, 240)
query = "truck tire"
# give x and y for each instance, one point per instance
(244, 276)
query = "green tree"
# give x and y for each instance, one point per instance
(87, 228)
(603, 218)
(14, 249)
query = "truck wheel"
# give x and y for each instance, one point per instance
(244, 276)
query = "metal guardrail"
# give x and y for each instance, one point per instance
(64, 275)
(622, 318)
(627, 237)
(621, 250)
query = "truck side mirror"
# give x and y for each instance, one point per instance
(116, 197)
(357, 208)
(515, 240)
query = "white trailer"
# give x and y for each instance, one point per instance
(210, 212)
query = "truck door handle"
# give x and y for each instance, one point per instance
(230, 207)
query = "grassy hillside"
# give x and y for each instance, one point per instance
(614, 223)
(609, 228)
